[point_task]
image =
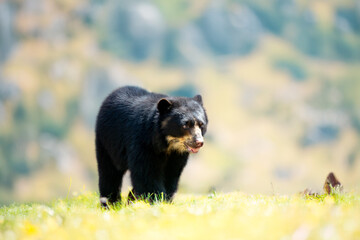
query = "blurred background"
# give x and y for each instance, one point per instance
(280, 81)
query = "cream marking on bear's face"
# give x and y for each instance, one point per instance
(185, 143)
(177, 144)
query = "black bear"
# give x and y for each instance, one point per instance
(149, 134)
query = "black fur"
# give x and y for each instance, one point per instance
(132, 133)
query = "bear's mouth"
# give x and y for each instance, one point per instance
(192, 149)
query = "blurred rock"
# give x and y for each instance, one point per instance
(284, 173)
(321, 134)
(2, 113)
(39, 19)
(192, 45)
(234, 30)
(186, 90)
(62, 153)
(8, 91)
(6, 29)
(332, 184)
(140, 27)
(46, 99)
(348, 19)
(322, 125)
(309, 192)
(99, 83)
(63, 69)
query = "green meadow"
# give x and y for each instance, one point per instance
(215, 216)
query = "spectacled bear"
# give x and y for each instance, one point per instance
(149, 134)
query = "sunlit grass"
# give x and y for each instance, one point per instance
(215, 216)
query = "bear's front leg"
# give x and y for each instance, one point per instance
(147, 178)
(147, 186)
(173, 170)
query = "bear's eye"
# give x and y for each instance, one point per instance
(201, 124)
(187, 125)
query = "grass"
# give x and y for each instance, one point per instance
(216, 216)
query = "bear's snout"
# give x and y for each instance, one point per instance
(199, 143)
(195, 145)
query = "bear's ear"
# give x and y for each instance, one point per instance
(198, 98)
(164, 105)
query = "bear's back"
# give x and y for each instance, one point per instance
(132, 97)
(125, 112)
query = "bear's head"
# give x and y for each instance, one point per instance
(183, 123)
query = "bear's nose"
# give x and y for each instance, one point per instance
(199, 143)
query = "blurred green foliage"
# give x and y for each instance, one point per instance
(231, 216)
(293, 67)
